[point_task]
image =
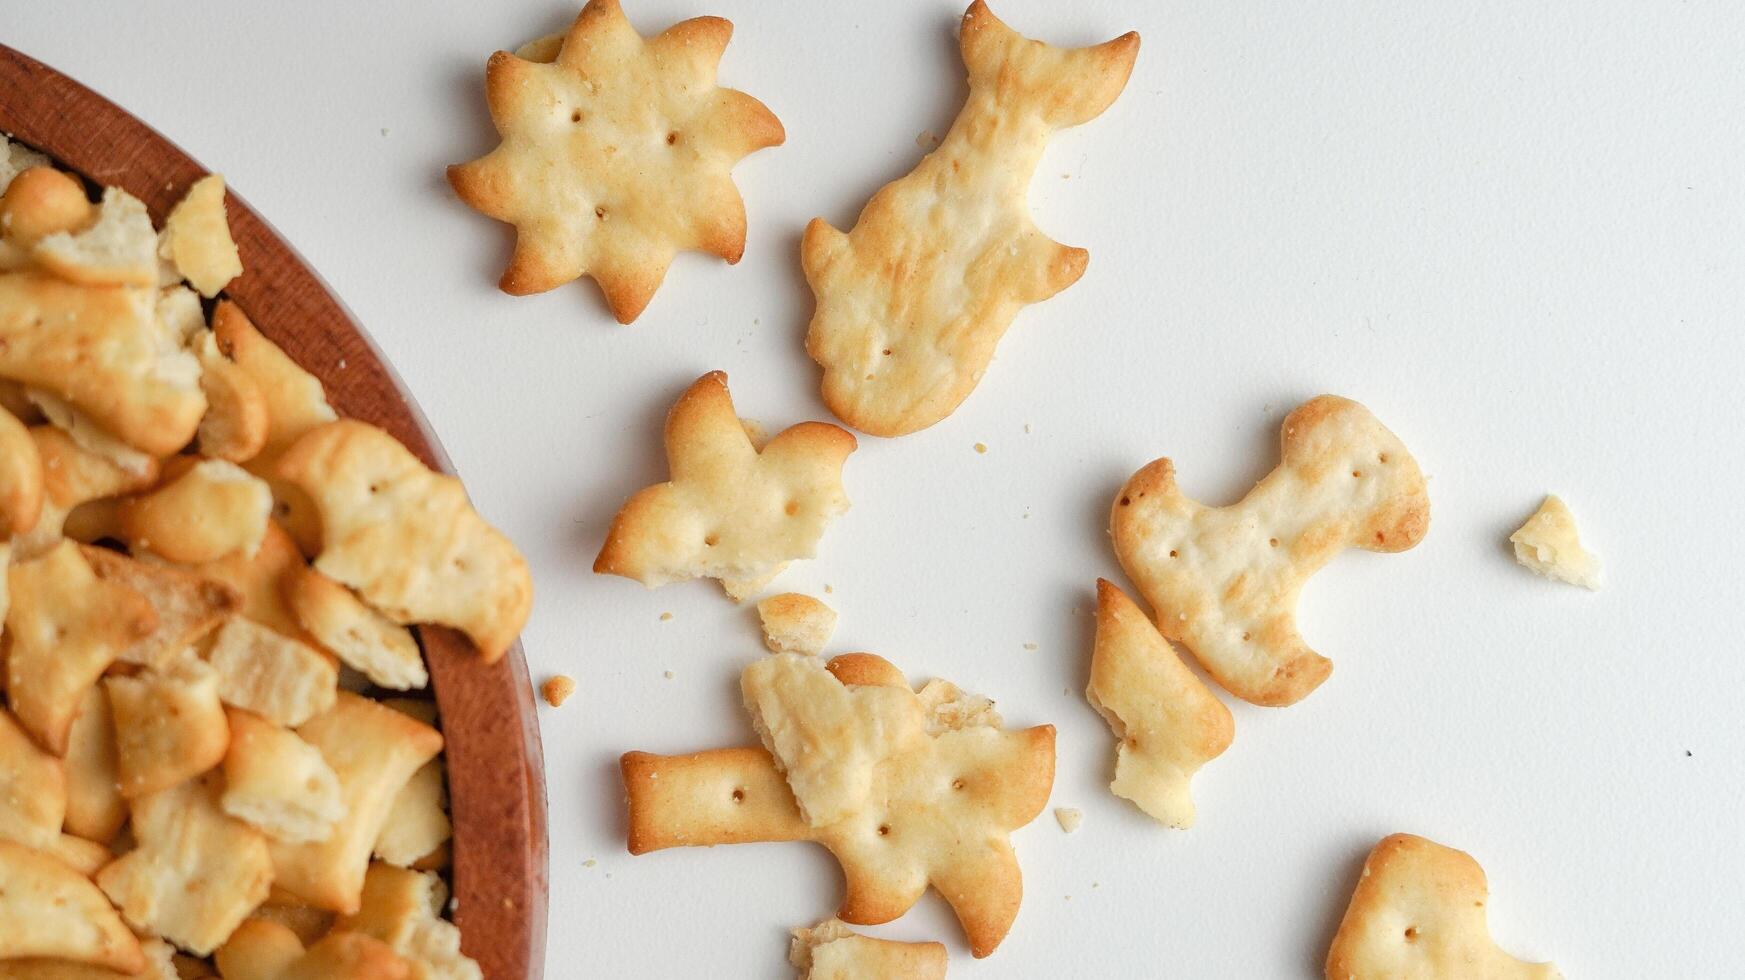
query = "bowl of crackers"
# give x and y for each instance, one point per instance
(265, 713)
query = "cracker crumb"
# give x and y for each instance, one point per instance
(1026, 428)
(1068, 817)
(589, 863)
(665, 616)
(669, 675)
(1029, 646)
(828, 589)
(557, 689)
(981, 447)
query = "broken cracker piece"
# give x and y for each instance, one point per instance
(1549, 544)
(40, 201)
(729, 512)
(403, 909)
(1418, 913)
(278, 783)
(214, 510)
(118, 248)
(795, 623)
(169, 726)
(1167, 723)
(295, 400)
(196, 238)
(615, 155)
(95, 807)
(1223, 581)
(33, 790)
(52, 911)
(21, 481)
(71, 476)
(912, 300)
(237, 419)
(831, 951)
(418, 821)
(1069, 818)
(557, 689)
(270, 674)
(186, 605)
(362, 638)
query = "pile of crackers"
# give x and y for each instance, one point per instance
(217, 753)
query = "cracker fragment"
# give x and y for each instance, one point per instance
(615, 155)
(1069, 818)
(795, 623)
(365, 640)
(21, 481)
(51, 911)
(196, 238)
(160, 960)
(118, 248)
(72, 476)
(729, 512)
(830, 951)
(1419, 913)
(1223, 581)
(236, 422)
(1167, 723)
(418, 821)
(270, 674)
(33, 789)
(406, 539)
(90, 436)
(1550, 545)
(557, 689)
(84, 856)
(403, 909)
(40, 201)
(186, 605)
(213, 510)
(899, 806)
(374, 750)
(259, 580)
(913, 299)
(169, 726)
(95, 807)
(278, 783)
(65, 627)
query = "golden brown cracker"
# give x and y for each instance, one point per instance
(50, 910)
(21, 489)
(212, 511)
(795, 623)
(830, 951)
(186, 605)
(169, 726)
(117, 246)
(95, 807)
(33, 789)
(362, 638)
(196, 238)
(278, 783)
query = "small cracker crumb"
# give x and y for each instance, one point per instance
(1029, 646)
(557, 689)
(665, 616)
(669, 675)
(1068, 817)
(591, 862)
(828, 588)
(981, 447)
(1026, 428)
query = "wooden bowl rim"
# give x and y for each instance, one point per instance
(495, 762)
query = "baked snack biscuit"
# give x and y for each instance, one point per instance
(615, 156)
(1223, 581)
(913, 299)
(33, 789)
(95, 807)
(277, 783)
(117, 248)
(196, 238)
(365, 640)
(1167, 723)
(49, 910)
(169, 726)
(1550, 545)
(266, 672)
(402, 908)
(731, 511)
(187, 607)
(1418, 914)
(905, 789)
(831, 951)
(795, 623)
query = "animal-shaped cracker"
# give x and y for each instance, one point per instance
(49, 910)
(731, 511)
(615, 156)
(905, 790)
(1550, 545)
(405, 538)
(1167, 723)
(1223, 581)
(830, 951)
(1418, 914)
(913, 299)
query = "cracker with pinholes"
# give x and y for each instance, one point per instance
(615, 155)
(50, 910)
(1418, 913)
(196, 238)
(913, 299)
(65, 626)
(730, 511)
(278, 783)
(830, 951)
(33, 789)
(187, 606)
(364, 639)
(405, 537)
(1223, 581)
(1167, 723)
(906, 789)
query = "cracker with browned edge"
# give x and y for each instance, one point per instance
(1223, 581)
(615, 155)
(1167, 723)
(187, 606)
(405, 537)
(404, 909)
(236, 422)
(95, 807)
(830, 951)
(72, 476)
(265, 950)
(278, 783)
(38, 201)
(367, 641)
(210, 511)
(795, 623)
(65, 627)
(905, 790)
(117, 246)
(1550, 545)
(1419, 914)
(21, 490)
(50, 910)
(730, 511)
(913, 299)
(169, 726)
(33, 789)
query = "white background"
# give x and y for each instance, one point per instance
(1515, 231)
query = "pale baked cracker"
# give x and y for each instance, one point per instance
(278, 783)
(913, 299)
(418, 821)
(64, 415)
(615, 155)
(87, 857)
(405, 538)
(937, 810)
(374, 750)
(795, 623)
(403, 909)
(270, 674)
(102, 350)
(52, 911)
(1223, 581)
(1419, 914)
(71, 477)
(21, 480)
(1550, 545)
(362, 638)
(33, 789)
(40, 201)
(117, 248)
(95, 807)
(65, 626)
(195, 874)
(830, 951)
(169, 726)
(196, 238)
(1167, 723)
(729, 512)
(214, 510)
(237, 419)
(260, 581)
(187, 606)
(160, 964)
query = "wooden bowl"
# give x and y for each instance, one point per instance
(495, 767)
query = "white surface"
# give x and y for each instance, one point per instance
(1515, 231)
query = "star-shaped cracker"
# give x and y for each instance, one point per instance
(615, 156)
(905, 789)
(912, 300)
(1419, 914)
(731, 511)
